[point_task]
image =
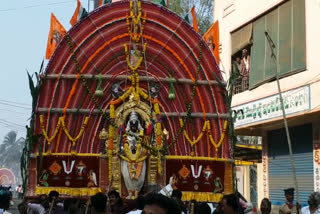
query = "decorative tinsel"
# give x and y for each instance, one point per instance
(99, 90)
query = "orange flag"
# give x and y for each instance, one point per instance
(56, 34)
(212, 39)
(192, 19)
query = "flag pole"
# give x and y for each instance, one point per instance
(272, 46)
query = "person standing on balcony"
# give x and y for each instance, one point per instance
(246, 69)
(240, 65)
(246, 61)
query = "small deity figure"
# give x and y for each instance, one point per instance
(81, 168)
(218, 187)
(92, 179)
(133, 163)
(43, 179)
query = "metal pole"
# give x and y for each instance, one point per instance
(88, 6)
(272, 46)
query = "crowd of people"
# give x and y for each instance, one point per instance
(153, 203)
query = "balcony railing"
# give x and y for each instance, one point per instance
(242, 84)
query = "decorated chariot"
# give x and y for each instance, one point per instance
(130, 101)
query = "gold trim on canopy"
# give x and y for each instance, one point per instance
(201, 196)
(68, 191)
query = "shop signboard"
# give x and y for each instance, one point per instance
(265, 168)
(296, 100)
(316, 156)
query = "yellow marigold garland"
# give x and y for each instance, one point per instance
(49, 140)
(192, 142)
(222, 136)
(80, 133)
(60, 124)
(129, 155)
(135, 19)
(205, 127)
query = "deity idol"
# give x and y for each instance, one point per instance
(133, 163)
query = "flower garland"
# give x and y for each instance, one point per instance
(133, 69)
(79, 70)
(192, 142)
(158, 133)
(135, 36)
(49, 140)
(110, 146)
(194, 89)
(205, 127)
(222, 136)
(61, 123)
(135, 19)
(129, 157)
(79, 134)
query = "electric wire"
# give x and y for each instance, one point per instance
(35, 6)
(16, 103)
(17, 106)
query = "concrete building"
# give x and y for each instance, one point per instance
(281, 37)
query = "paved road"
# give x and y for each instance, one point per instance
(13, 209)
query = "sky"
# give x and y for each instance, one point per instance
(23, 39)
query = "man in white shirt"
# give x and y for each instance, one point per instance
(314, 203)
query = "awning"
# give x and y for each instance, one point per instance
(244, 153)
(241, 38)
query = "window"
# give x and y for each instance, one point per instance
(285, 26)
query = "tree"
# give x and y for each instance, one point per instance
(204, 11)
(10, 152)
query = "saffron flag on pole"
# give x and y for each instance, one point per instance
(56, 33)
(212, 39)
(79, 13)
(102, 2)
(192, 19)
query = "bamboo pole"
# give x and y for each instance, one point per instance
(163, 114)
(272, 46)
(141, 78)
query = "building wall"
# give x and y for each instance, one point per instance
(243, 180)
(232, 14)
(260, 183)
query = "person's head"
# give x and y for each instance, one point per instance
(289, 194)
(202, 208)
(244, 52)
(314, 200)
(99, 202)
(43, 200)
(22, 207)
(53, 195)
(176, 194)
(265, 206)
(114, 198)
(238, 60)
(4, 199)
(230, 204)
(140, 203)
(160, 204)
